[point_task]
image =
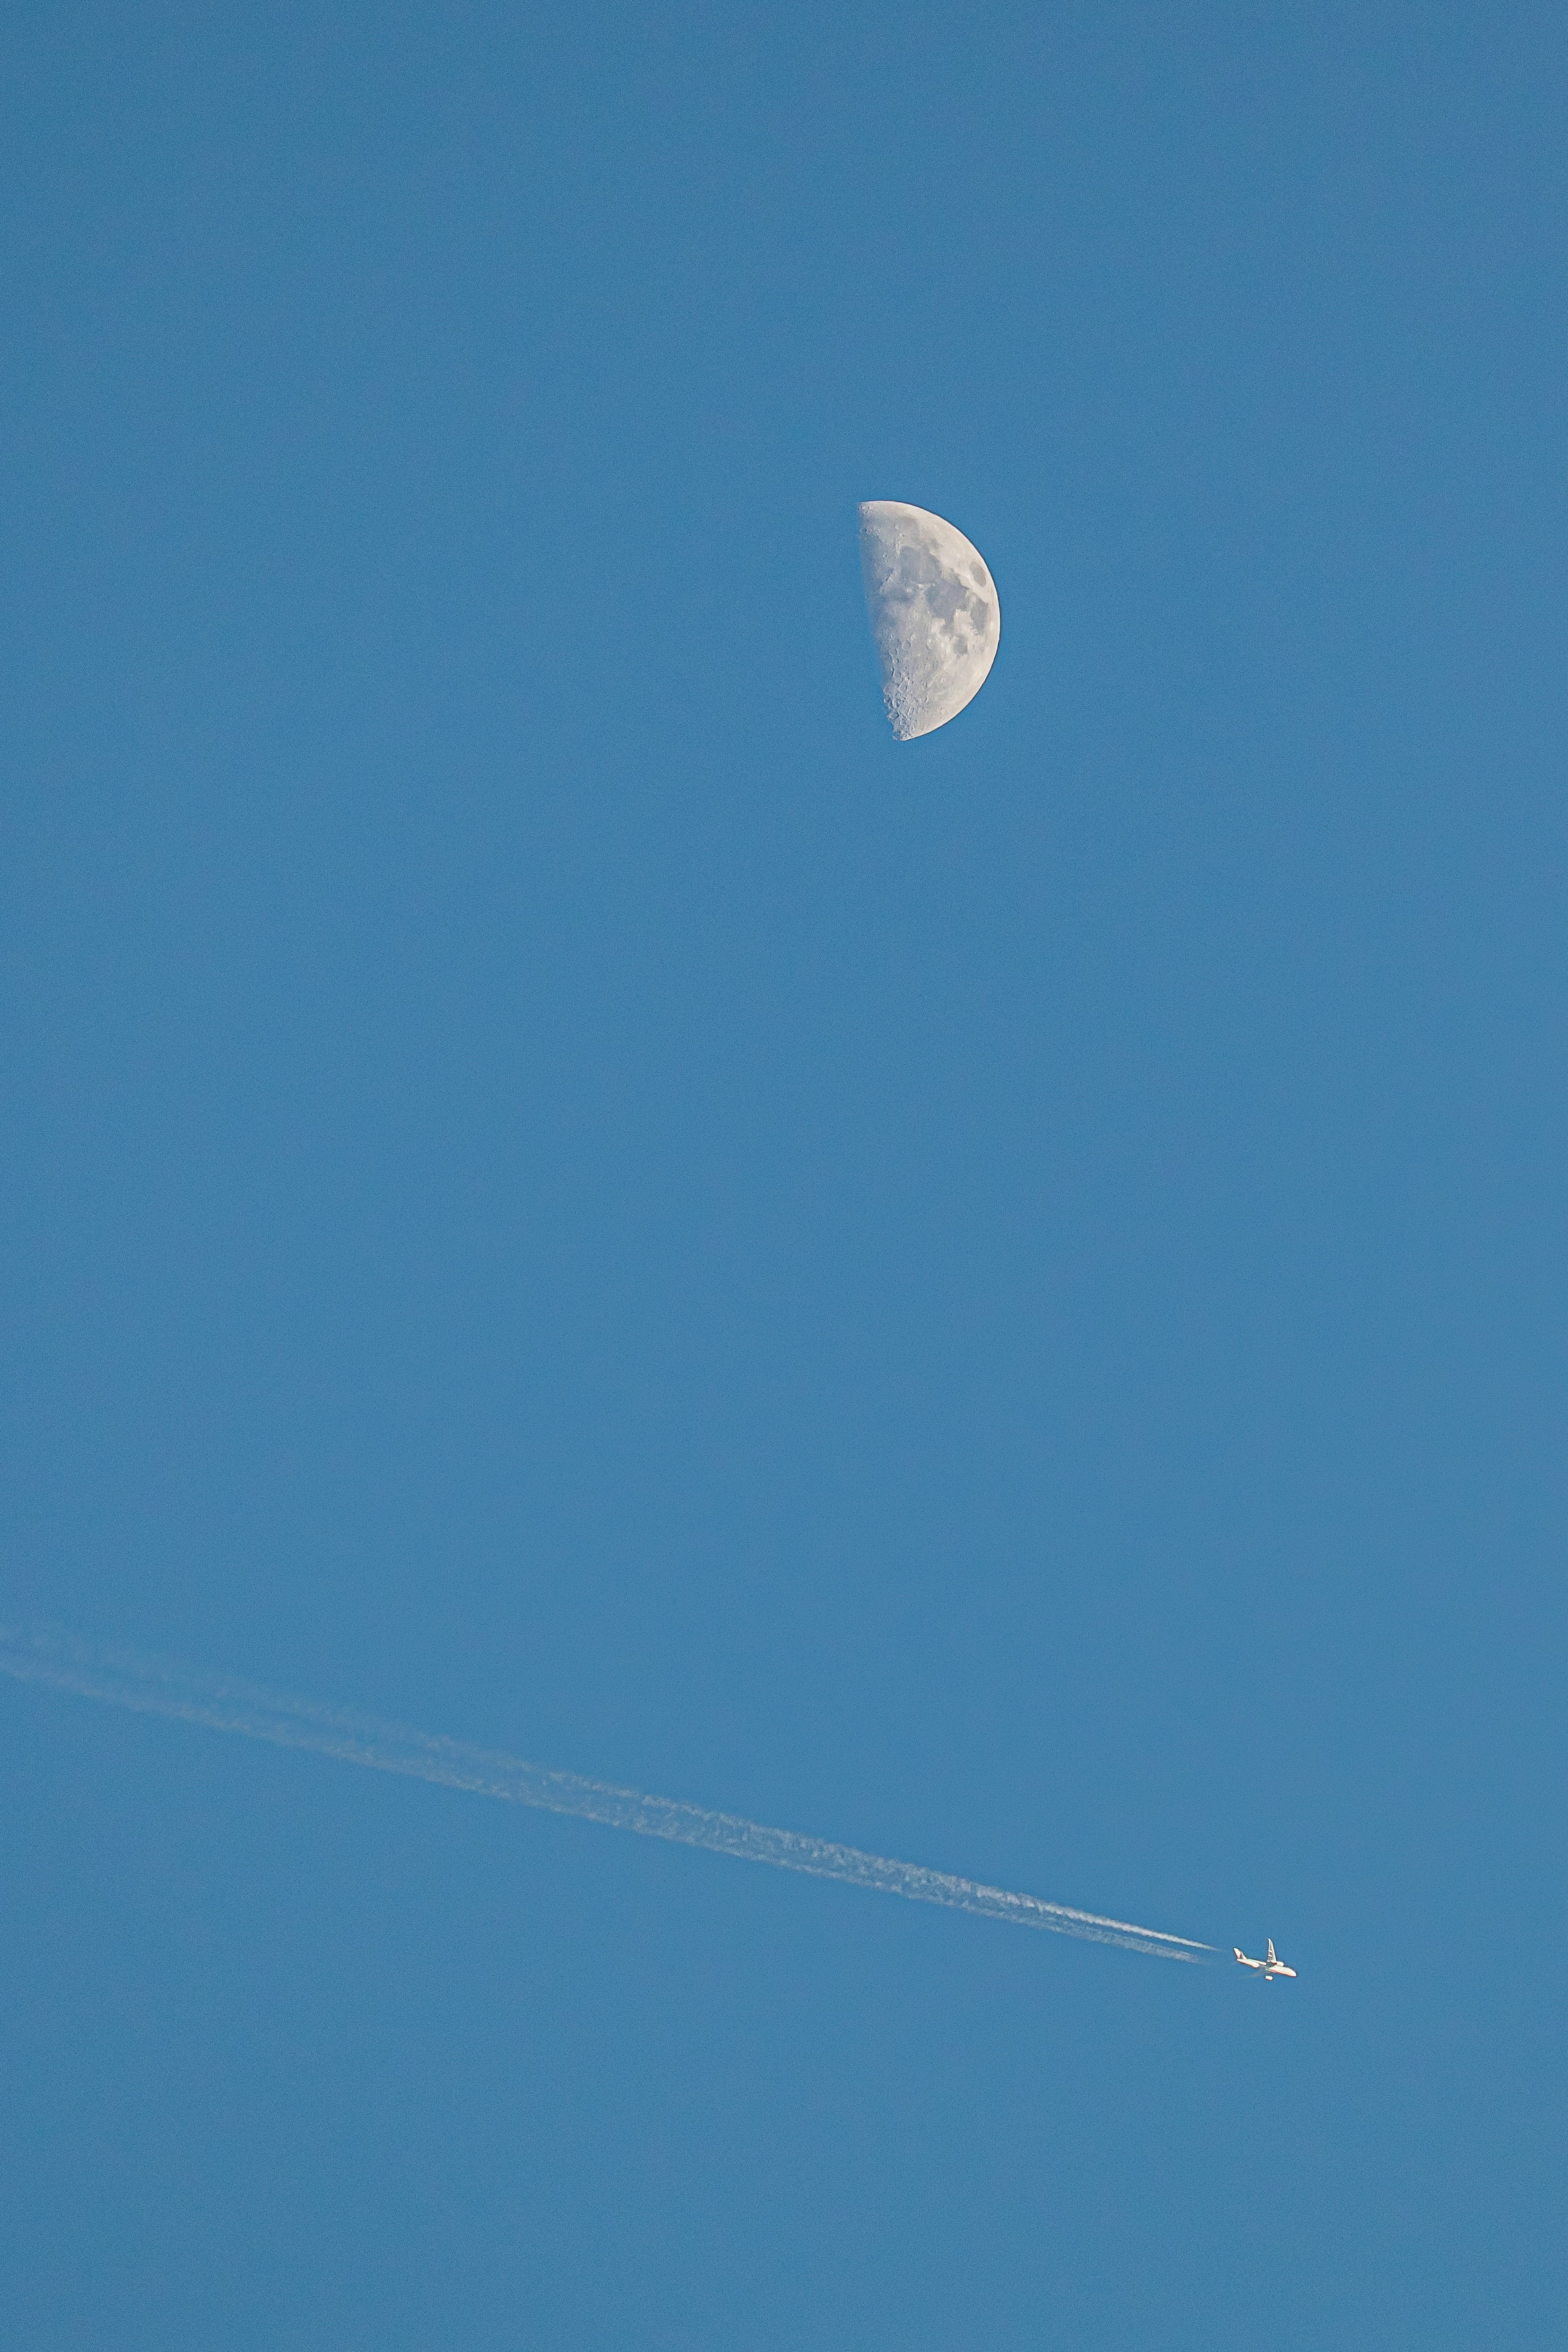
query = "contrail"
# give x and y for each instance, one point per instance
(155, 1687)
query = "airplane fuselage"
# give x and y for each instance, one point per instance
(1268, 1969)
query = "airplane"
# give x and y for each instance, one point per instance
(1269, 1969)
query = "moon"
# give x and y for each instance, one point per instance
(935, 615)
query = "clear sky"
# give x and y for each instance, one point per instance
(999, 1300)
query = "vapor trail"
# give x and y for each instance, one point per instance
(155, 1687)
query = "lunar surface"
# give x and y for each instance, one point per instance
(934, 615)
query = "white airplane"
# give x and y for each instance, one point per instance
(1271, 1968)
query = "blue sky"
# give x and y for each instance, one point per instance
(998, 1299)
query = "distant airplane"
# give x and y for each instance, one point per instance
(1271, 1968)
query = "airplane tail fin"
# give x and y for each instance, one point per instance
(1271, 1952)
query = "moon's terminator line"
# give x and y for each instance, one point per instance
(153, 1687)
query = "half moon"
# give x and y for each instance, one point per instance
(935, 615)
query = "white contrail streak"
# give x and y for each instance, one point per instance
(153, 1687)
